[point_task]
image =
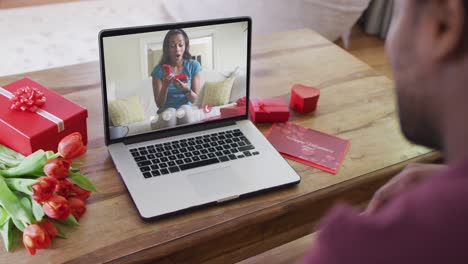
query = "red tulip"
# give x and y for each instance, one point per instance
(57, 207)
(57, 168)
(77, 206)
(49, 228)
(72, 146)
(64, 188)
(80, 193)
(35, 237)
(44, 188)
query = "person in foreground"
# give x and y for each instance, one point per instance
(176, 80)
(420, 216)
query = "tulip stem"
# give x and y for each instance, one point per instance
(54, 156)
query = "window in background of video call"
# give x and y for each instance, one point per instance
(198, 75)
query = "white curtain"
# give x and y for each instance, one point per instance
(378, 16)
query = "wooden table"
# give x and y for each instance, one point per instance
(356, 103)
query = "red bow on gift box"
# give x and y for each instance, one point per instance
(269, 110)
(27, 99)
(264, 105)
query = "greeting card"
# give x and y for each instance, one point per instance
(308, 146)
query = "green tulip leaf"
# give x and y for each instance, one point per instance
(32, 165)
(9, 152)
(6, 229)
(60, 232)
(33, 206)
(21, 185)
(3, 216)
(26, 203)
(10, 155)
(69, 221)
(51, 155)
(82, 181)
(75, 167)
(20, 225)
(8, 162)
(14, 207)
(37, 210)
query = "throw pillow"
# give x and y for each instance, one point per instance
(217, 93)
(239, 87)
(208, 76)
(126, 111)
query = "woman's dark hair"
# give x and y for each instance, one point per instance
(165, 57)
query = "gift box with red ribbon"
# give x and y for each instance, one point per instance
(33, 117)
(268, 110)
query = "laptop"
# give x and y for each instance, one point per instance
(180, 143)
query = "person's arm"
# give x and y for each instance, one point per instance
(191, 94)
(424, 225)
(346, 237)
(409, 177)
(160, 88)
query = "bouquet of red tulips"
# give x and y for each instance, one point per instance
(41, 192)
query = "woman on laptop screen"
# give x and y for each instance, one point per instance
(176, 81)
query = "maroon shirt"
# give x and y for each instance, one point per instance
(428, 224)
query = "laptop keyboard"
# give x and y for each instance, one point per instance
(179, 155)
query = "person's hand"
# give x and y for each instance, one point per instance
(167, 78)
(181, 85)
(410, 176)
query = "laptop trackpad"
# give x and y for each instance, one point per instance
(216, 184)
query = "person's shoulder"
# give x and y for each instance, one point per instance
(446, 191)
(157, 71)
(432, 210)
(193, 63)
(193, 67)
(158, 67)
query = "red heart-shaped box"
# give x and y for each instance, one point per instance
(304, 99)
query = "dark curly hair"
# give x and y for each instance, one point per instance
(165, 57)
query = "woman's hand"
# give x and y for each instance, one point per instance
(410, 176)
(167, 78)
(182, 86)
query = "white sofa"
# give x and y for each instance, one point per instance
(143, 89)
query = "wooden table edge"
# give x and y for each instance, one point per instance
(241, 232)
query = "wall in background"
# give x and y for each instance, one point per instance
(125, 55)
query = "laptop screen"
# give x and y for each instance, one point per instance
(180, 75)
